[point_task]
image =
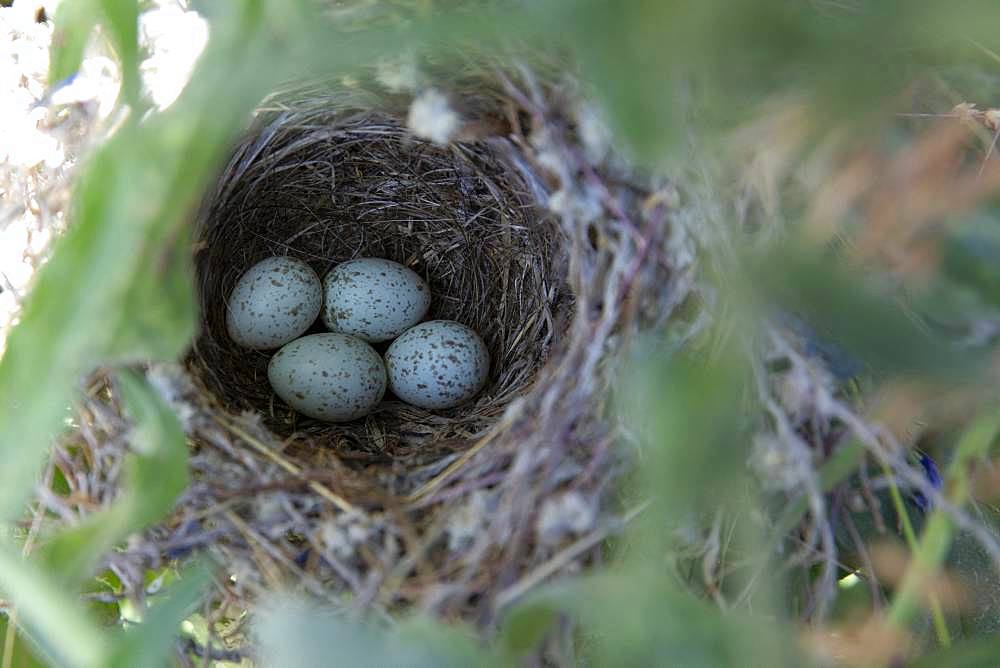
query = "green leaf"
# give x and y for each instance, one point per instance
(122, 18)
(627, 52)
(972, 257)
(523, 629)
(149, 643)
(158, 308)
(980, 653)
(155, 474)
(638, 619)
(294, 633)
(22, 652)
(52, 616)
(446, 644)
(844, 311)
(63, 331)
(651, 63)
(101, 298)
(74, 23)
(690, 428)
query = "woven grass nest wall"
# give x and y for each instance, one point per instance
(325, 187)
(557, 256)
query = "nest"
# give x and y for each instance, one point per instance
(325, 187)
(556, 258)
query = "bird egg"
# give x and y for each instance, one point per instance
(437, 364)
(331, 377)
(374, 299)
(275, 301)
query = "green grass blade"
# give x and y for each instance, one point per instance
(122, 20)
(841, 465)
(23, 652)
(54, 619)
(936, 538)
(101, 296)
(74, 23)
(150, 642)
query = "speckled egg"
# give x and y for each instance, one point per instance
(437, 364)
(331, 377)
(373, 299)
(275, 301)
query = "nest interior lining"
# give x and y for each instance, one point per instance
(326, 187)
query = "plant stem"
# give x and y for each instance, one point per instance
(930, 553)
(937, 615)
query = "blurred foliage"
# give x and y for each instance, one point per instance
(118, 289)
(75, 22)
(980, 653)
(21, 652)
(871, 328)
(297, 634)
(639, 618)
(971, 256)
(691, 457)
(150, 643)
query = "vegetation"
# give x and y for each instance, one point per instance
(849, 256)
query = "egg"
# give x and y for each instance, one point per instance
(275, 301)
(373, 299)
(437, 364)
(331, 377)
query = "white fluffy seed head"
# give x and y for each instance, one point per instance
(432, 117)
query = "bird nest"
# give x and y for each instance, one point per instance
(326, 187)
(554, 257)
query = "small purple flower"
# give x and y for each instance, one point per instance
(933, 476)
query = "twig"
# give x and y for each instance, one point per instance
(323, 491)
(562, 558)
(462, 460)
(866, 560)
